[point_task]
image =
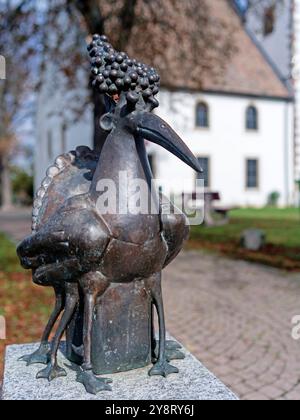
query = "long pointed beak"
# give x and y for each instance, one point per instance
(152, 128)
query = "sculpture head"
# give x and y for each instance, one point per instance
(130, 88)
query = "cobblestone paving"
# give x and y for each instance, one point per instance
(234, 316)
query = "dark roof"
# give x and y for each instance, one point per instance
(243, 69)
(249, 70)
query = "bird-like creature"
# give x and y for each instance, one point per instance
(79, 245)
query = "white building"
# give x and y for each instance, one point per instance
(241, 128)
(244, 166)
(296, 81)
(277, 29)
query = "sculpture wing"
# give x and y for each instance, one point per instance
(70, 176)
(71, 242)
(175, 228)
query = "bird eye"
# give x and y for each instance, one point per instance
(107, 122)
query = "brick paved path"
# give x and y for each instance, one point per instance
(234, 316)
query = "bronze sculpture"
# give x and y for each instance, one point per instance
(94, 258)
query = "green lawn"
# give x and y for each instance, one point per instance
(25, 306)
(282, 228)
(291, 214)
(8, 259)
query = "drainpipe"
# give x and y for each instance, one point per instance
(286, 154)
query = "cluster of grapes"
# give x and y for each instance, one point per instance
(114, 72)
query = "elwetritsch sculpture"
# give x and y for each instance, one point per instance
(105, 267)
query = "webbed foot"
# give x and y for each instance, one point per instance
(172, 351)
(163, 368)
(51, 372)
(92, 384)
(41, 356)
(174, 355)
(172, 345)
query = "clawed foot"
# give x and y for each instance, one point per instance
(174, 355)
(172, 351)
(171, 345)
(51, 372)
(163, 368)
(79, 351)
(41, 356)
(92, 384)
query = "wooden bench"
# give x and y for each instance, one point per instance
(211, 210)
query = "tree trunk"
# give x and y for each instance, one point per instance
(92, 14)
(127, 18)
(6, 187)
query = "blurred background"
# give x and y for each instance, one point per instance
(230, 74)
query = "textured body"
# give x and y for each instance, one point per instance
(63, 202)
(105, 263)
(103, 244)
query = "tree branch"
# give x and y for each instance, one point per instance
(91, 13)
(127, 20)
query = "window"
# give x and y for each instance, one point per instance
(269, 20)
(252, 118)
(242, 6)
(2, 68)
(49, 145)
(252, 173)
(205, 165)
(202, 115)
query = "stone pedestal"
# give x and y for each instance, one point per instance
(194, 382)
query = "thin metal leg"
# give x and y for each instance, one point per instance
(153, 335)
(161, 367)
(42, 355)
(89, 305)
(93, 286)
(53, 370)
(158, 302)
(59, 307)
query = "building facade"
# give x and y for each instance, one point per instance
(277, 30)
(245, 156)
(296, 82)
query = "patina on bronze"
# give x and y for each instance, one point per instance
(105, 267)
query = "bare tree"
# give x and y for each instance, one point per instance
(183, 39)
(180, 38)
(17, 49)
